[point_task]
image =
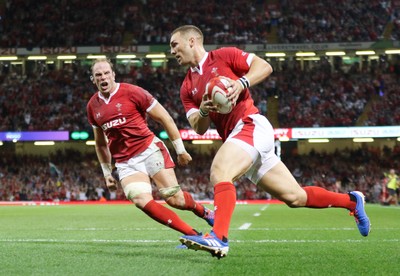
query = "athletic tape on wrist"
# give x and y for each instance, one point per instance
(107, 169)
(202, 113)
(244, 82)
(179, 146)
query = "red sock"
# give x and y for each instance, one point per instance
(167, 217)
(224, 205)
(192, 205)
(318, 197)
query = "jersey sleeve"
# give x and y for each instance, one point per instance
(187, 99)
(142, 98)
(90, 116)
(236, 59)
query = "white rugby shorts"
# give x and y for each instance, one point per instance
(255, 135)
(155, 158)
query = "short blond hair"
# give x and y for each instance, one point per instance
(189, 29)
(97, 60)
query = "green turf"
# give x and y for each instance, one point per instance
(120, 240)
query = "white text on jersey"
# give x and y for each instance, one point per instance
(113, 123)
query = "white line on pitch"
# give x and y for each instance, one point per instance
(245, 226)
(233, 229)
(316, 241)
(264, 207)
(84, 241)
(112, 229)
(174, 241)
(257, 214)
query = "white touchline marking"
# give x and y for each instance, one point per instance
(245, 226)
(233, 229)
(174, 241)
(316, 241)
(264, 207)
(111, 229)
(305, 229)
(257, 214)
(85, 241)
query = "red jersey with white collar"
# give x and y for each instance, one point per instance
(123, 119)
(229, 62)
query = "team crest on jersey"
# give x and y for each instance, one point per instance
(214, 71)
(98, 115)
(194, 91)
(118, 106)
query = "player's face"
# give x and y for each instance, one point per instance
(180, 48)
(104, 77)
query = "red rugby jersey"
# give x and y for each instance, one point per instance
(230, 62)
(123, 119)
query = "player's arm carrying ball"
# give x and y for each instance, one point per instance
(258, 70)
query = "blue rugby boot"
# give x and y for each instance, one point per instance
(362, 220)
(207, 242)
(209, 216)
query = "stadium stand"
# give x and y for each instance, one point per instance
(77, 176)
(70, 23)
(338, 21)
(316, 95)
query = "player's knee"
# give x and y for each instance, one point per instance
(169, 192)
(134, 192)
(172, 196)
(217, 176)
(293, 200)
(223, 173)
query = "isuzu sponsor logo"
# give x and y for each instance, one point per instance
(114, 123)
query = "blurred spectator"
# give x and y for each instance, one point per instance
(392, 184)
(29, 177)
(318, 21)
(29, 24)
(317, 95)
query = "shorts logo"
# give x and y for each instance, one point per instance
(113, 123)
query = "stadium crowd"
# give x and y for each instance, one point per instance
(333, 21)
(318, 94)
(70, 175)
(324, 96)
(61, 95)
(40, 23)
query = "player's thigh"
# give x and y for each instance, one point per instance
(136, 177)
(169, 188)
(137, 188)
(230, 162)
(280, 183)
(165, 178)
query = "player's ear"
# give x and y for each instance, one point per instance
(191, 41)
(113, 75)
(91, 79)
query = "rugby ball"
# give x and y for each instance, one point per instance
(216, 90)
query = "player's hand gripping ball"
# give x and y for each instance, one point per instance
(216, 90)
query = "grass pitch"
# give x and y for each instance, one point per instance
(264, 240)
